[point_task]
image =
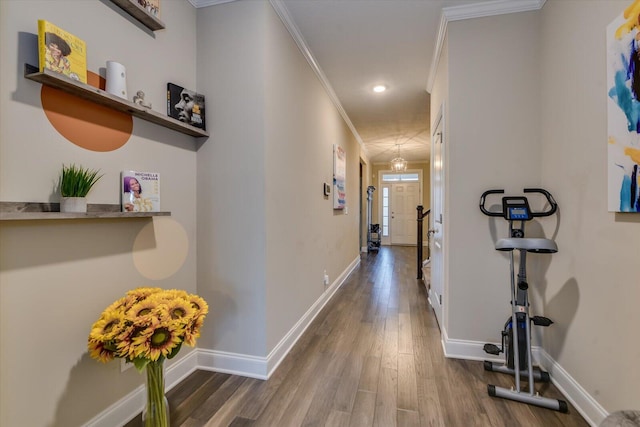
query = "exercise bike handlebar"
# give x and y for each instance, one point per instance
(482, 200)
(552, 203)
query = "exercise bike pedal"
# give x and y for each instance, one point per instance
(492, 349)
(541, 321)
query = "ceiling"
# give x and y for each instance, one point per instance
(353, 45)
(362, 43)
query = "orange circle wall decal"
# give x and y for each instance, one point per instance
(85, 123)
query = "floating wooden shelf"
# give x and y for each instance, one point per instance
(22, 211)
(99, 96)
(138, 12)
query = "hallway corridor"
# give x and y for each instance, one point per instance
(372, 357)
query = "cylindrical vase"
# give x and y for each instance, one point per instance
(116, 79)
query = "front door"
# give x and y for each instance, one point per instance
(404, 199)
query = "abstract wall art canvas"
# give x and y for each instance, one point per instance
(623, 110)
(339, 177)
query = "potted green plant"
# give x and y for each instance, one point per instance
(75, 183)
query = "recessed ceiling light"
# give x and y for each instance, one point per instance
(379, 88)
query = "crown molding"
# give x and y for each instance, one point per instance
(491, 8)
(478, 10)
(285, 17)
(452, 13)
(282, 12)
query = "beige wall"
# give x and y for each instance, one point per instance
(231, 177)
(56, 277)
(515, 121)
(592, 282)
(252, 204)
(263, 256)
(258, 193)
(305, 235)
(525, 102)
(493, 142)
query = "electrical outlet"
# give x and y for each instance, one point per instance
(326, 278)
(124, 365)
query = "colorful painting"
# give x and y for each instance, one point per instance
(339, 177)
(623, 108)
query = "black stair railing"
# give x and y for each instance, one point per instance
(421, 216)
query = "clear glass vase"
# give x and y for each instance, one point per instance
(156, 411)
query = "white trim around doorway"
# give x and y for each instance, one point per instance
(386, 240)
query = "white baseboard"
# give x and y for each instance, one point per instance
(364, 249)
(586, 405)
(263, 367)
(129, 406)
(463, 349)
(284, 346)
(233, 363)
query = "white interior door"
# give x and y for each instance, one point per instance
(404, 199)
(436, 291)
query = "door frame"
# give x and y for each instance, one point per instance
(386, 240)
(438, 284)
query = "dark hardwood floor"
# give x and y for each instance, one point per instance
(372, 357)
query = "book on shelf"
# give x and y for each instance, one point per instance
(140, 191)
(186, 105)
(61, 51)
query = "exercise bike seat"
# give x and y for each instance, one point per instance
(530, 244)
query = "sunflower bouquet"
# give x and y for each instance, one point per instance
(145, 327)
(147, 324)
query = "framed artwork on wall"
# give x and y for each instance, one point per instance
(339, 177)
(623, 111)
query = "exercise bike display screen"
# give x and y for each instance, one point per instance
(518, 213)
(516, 209)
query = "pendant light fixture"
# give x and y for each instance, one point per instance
(398, 164)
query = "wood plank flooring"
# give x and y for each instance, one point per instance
(372, 357)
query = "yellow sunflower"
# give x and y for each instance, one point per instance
(192, 330)
(101, 351)
(161, 297)
(161, 342)
(199, 304)
(108, 326)
(143, 326)
(180, 310)
(118, 305)
(176, 293)
(141, 293)
(144, 308)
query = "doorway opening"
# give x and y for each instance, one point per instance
(400, 194)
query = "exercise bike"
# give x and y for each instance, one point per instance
(516, 335)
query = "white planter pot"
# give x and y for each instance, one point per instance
(73, 204)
